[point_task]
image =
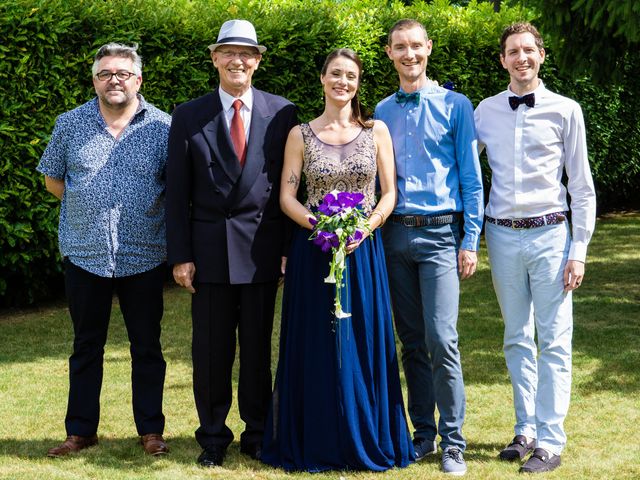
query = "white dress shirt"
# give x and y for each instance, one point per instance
(528, 148)
(245, 112)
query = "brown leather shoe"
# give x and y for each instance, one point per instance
(73, 443)
(154, 444)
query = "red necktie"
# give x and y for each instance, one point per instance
(237, 132)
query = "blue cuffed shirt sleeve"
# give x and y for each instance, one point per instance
(436, 155)
(469, 175)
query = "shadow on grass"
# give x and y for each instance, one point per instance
(483, 452)
(183, 450)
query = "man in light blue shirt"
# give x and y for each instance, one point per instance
(431, 238)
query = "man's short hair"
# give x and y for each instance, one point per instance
(520, 27)
(118, 50)
(406, 24)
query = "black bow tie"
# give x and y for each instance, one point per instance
(404, 98)
(529, 100)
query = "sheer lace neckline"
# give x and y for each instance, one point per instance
(335, 144)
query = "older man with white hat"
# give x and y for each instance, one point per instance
(226, 236)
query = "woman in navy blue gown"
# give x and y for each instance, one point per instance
(337, 401)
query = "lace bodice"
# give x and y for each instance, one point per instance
(350, 167)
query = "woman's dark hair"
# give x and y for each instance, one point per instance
(357, 114)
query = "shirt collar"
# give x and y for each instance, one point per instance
(539, 91)
(430, 87)
(227, 100)
(142, 104)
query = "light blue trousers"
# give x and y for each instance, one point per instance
(527, 269)
(424, 285)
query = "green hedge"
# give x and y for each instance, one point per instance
(48, 47)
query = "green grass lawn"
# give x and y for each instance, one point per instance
(601, 426)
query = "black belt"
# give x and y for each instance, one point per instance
(425, 220)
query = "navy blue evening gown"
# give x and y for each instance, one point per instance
(337, 402)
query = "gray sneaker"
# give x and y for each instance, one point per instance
(424, 447)
(453, 462)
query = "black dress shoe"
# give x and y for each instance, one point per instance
(540, 462)
(212, 457)
(254, 450)
(517, 449)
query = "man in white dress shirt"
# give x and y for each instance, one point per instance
(537, 257)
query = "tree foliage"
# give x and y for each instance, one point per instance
(596, 36)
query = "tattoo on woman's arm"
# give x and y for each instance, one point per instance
(294, 180)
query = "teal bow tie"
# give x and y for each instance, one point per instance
(404, 98)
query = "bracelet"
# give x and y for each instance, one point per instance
(377, 212)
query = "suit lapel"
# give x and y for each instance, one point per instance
(257, 145)
(217, 136)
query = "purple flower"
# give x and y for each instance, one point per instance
(335, 202)
(329, 209)
(349, 199)
(356, 237)
(329, 205)
(330, 198)
(326, 240)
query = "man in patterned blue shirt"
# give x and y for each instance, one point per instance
(427, 247)
(106, 162)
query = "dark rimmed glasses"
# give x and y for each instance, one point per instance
(121, 75)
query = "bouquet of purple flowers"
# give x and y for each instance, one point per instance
(339, 221)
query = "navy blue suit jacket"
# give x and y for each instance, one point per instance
(224, 218)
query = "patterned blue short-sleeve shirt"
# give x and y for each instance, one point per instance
(112, 210)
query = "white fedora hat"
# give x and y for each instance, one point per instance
(238, 32)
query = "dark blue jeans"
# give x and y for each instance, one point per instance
(90, 297)
(424, 284)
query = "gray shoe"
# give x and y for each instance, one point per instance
(424, 447)
(453, 462)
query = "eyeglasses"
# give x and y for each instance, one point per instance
(106, 75)
(229, 54)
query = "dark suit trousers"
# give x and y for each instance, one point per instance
(90, 297)
(218, 310)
